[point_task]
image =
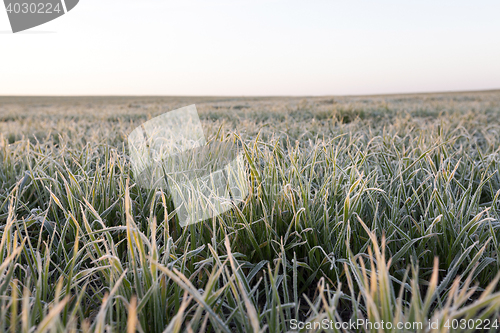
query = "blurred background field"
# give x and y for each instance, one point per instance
(111, 118)
(378, 207)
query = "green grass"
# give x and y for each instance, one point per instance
(379, 208)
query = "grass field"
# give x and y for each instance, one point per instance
(383, 208)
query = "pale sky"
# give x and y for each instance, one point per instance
(243, 48)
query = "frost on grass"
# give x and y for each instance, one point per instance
(377, 208)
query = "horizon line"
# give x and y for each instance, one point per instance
(273, 96)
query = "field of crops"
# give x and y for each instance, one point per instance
(379, 208)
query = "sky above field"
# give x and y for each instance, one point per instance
(242, 48)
